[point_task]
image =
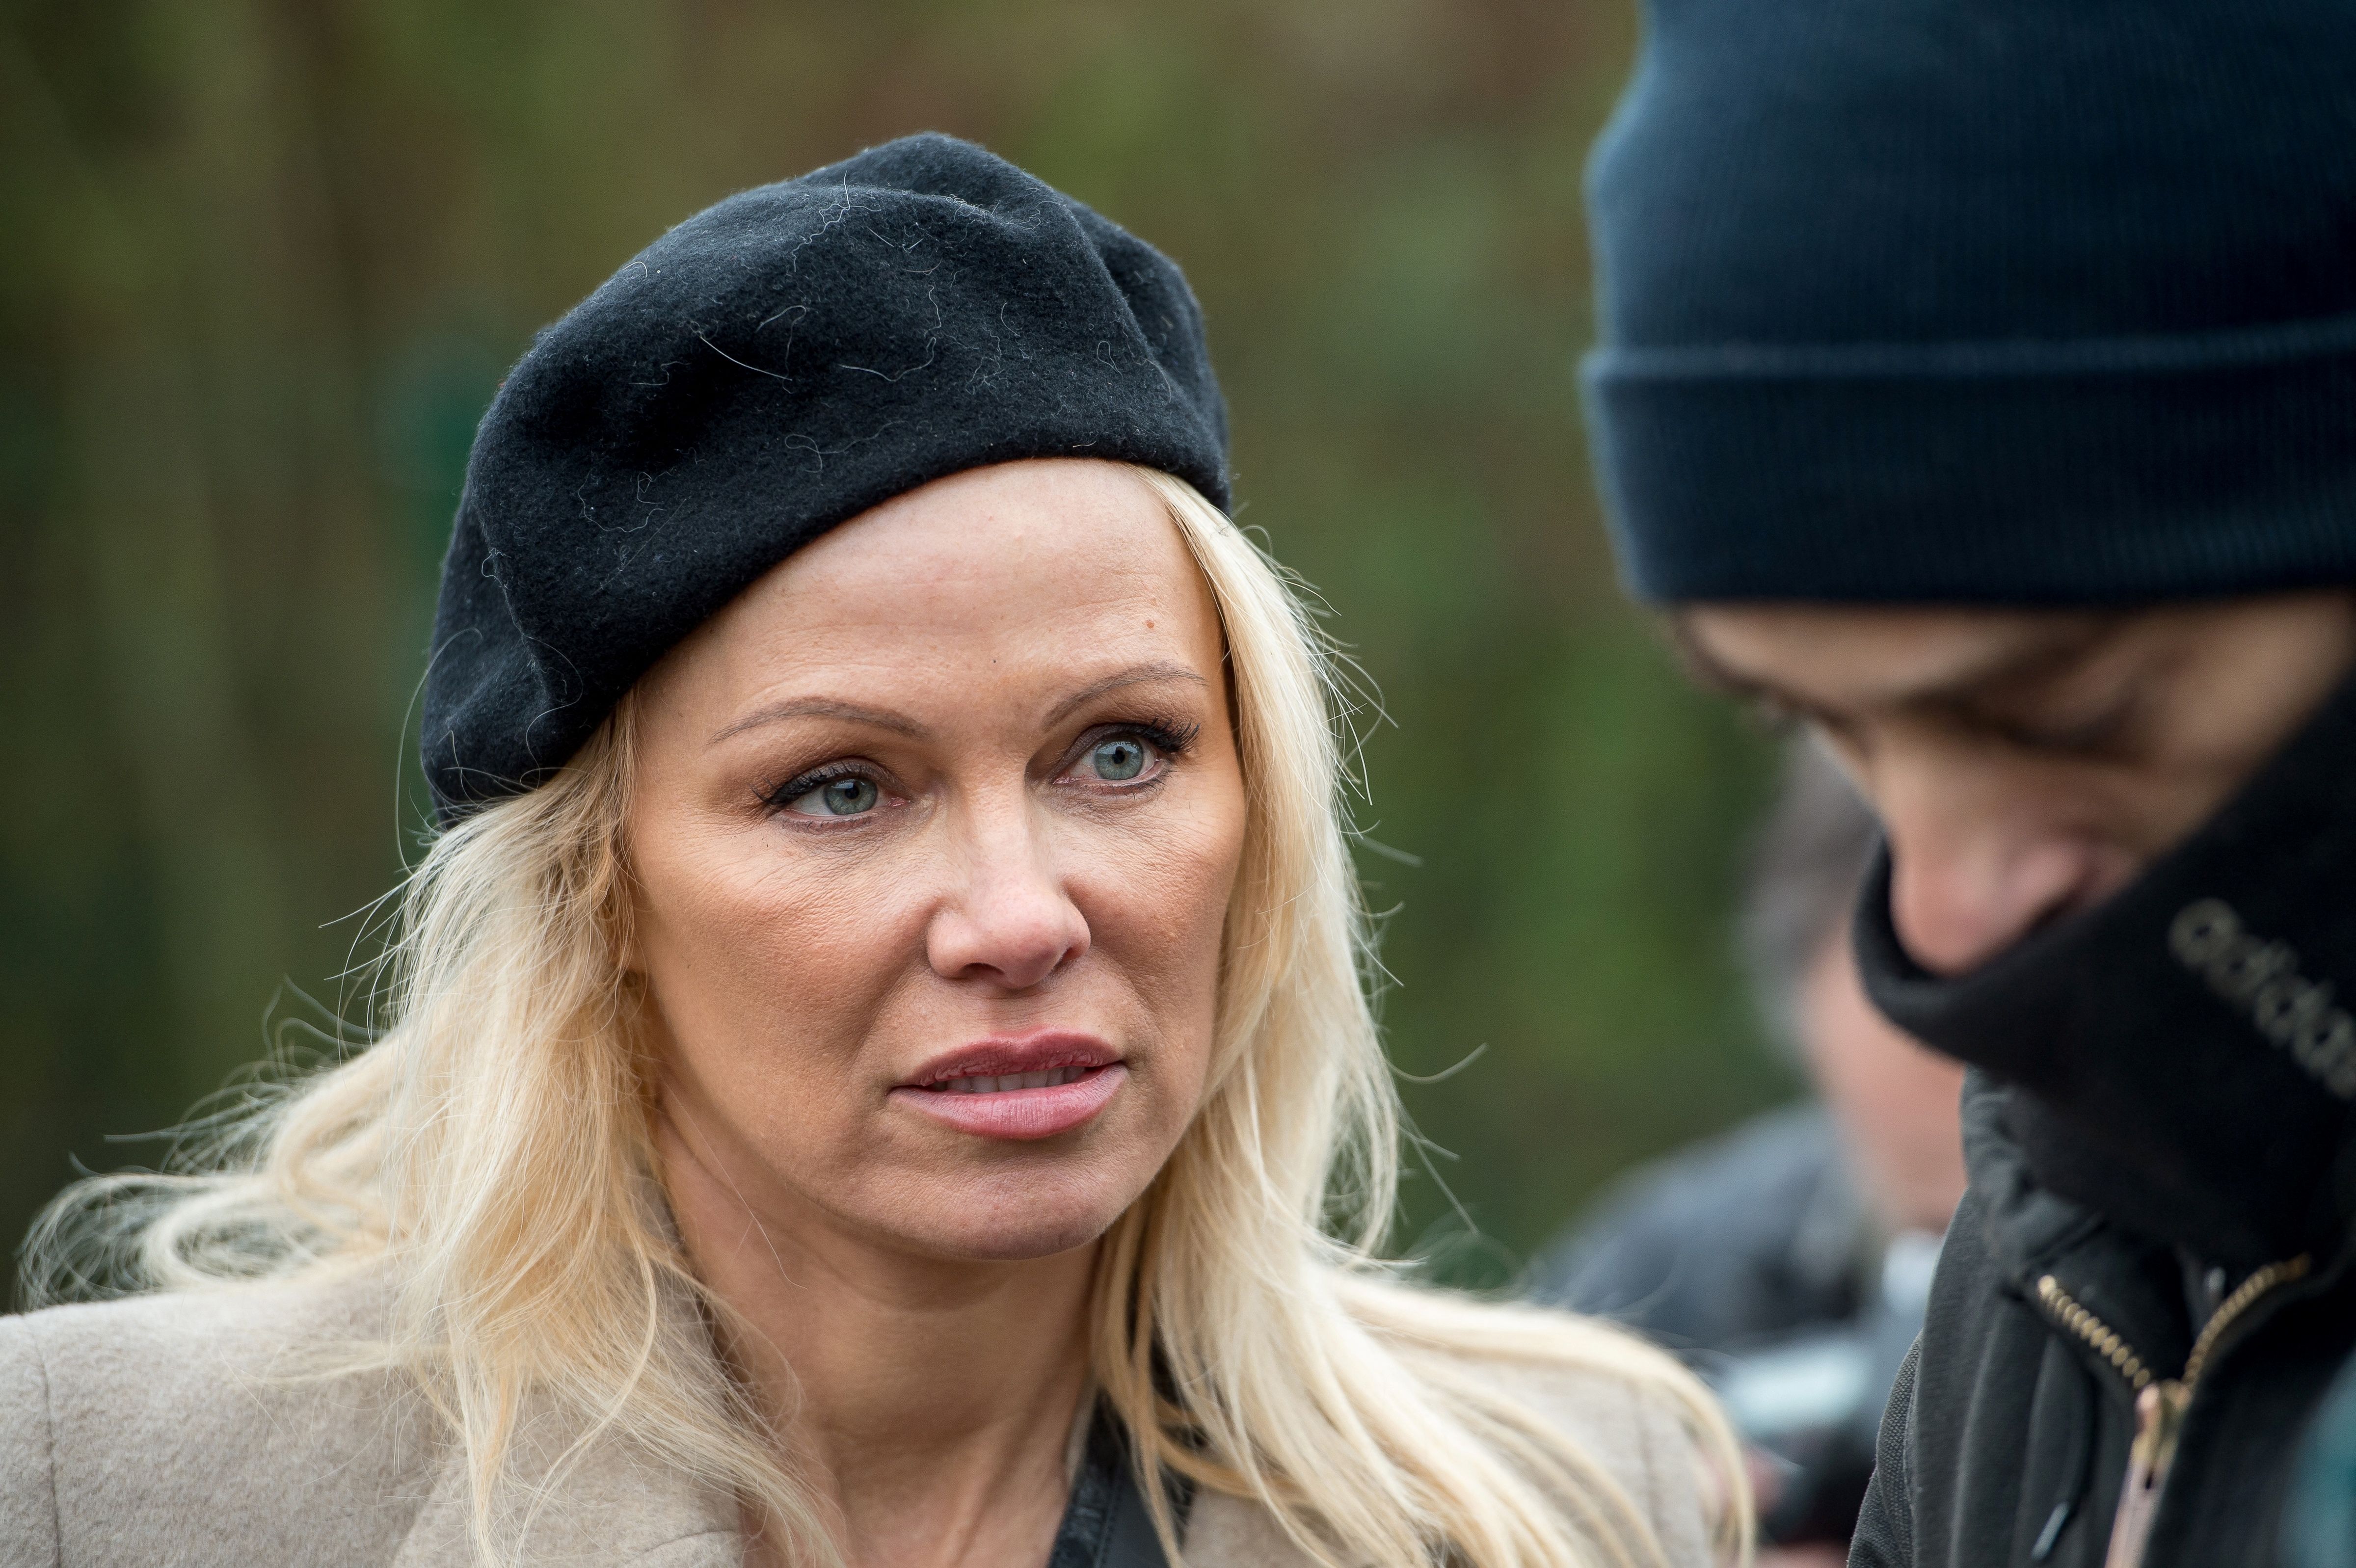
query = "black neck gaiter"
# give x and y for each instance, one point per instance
(2182, 1057)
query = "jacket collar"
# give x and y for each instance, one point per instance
(604, 1508)
(610, 1505)
(2132, 1283)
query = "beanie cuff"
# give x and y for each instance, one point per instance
(2099, 471)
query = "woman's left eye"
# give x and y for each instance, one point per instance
(851, 795)
(1119, 759)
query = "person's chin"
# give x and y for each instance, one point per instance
(1018, 1219)
(1029, 1243)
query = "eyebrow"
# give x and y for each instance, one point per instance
(900, 724)
(1139, 675)
(823, 707)
(2039, 657)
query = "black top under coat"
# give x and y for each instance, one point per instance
(775, 366)
(1105, 1524)
(2181, 1057)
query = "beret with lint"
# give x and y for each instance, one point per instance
(774, 366)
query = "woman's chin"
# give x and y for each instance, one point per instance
(1027, 1246)
(1024, 1239)
(996, 1221)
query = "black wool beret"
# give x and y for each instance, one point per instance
(775, 365)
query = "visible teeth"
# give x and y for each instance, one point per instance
(1052, 1078)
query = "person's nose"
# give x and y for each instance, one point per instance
(1010, 922)
(1975, 867)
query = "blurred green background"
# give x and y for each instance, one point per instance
(266, 262)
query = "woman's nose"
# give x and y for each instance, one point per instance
(1011, 923)
(1972, 872)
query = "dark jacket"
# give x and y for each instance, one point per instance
(1740, 1241)
(1752, 1256)
(2009, 1435)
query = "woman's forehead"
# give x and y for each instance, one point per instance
(1029, 532)
(1057, 572)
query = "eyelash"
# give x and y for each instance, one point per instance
(1170, 737)
(783, 795)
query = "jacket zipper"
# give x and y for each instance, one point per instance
(2160, 1403)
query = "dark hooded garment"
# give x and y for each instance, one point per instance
(775, 366)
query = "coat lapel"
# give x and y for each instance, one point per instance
(605, 1509)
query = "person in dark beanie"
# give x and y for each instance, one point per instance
(1977, 385)
(871, 1059)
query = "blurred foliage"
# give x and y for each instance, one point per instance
(268, 258)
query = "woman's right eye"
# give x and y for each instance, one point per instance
(848, 796)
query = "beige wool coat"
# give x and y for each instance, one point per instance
(182, 1430)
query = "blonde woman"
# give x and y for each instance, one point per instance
(876, 1069)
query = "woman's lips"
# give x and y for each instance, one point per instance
(1035, 1086)
(1035, 1112)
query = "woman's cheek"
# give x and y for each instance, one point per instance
(1147, 901)
(815, 945)
(748, 952)
(1207, 863)
(1166, 919)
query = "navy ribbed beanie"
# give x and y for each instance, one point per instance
(771, 367)
(2026, 301)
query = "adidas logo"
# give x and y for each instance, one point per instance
(2262, 978)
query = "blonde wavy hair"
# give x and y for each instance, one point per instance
(493, 1146)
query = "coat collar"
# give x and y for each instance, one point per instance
(2132, 1283)
(604, 1508)
(609, 1506)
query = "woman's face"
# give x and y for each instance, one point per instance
(934, 830)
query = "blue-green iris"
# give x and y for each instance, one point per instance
(847, 798)
(1119, 759)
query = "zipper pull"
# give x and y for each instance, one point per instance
(2159, 1416)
